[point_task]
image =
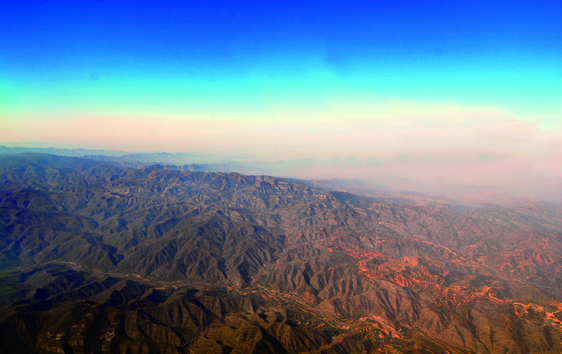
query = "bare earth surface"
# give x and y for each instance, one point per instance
(105, 259)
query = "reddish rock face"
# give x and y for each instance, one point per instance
(98, 258)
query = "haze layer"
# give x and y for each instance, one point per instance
(463, 89)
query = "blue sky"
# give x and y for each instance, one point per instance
(426, 51)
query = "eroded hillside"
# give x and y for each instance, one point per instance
(99, 258)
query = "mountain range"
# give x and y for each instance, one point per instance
(100, 257)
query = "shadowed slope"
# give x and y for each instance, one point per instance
(101, 258)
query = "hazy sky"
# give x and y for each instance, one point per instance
(474, 87)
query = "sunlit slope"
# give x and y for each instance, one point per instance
(110, 259)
